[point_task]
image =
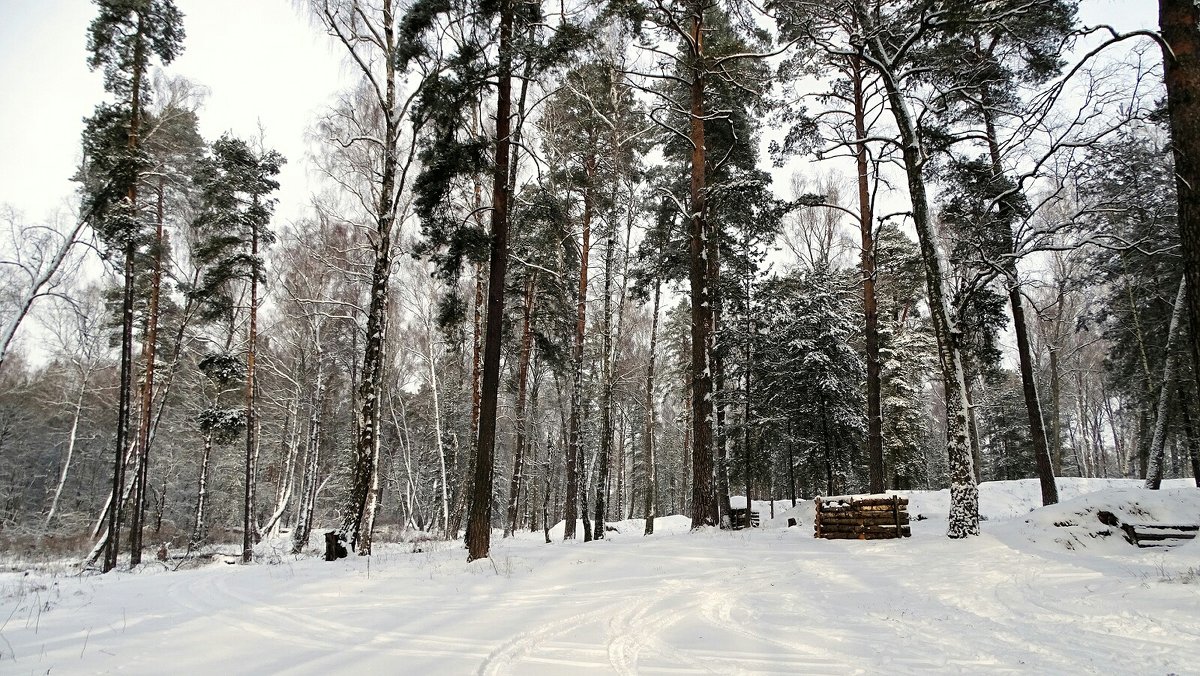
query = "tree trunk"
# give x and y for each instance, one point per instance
(866, 226)
(72, 436)
(514, 488)
(1189, 432)
(746, 445)
(574, 450)
(606, 392)
(466, 475)
(1154, 472)
(1179, 21)
(546, 496)
(651, 505)
(124, 403)
(199, 526)
(791, 446)
(149, 349)
(964, 493)
(363, 502)
(251, 426)
(480, 518)
(437, 433)
(312, 452)
(1033, 405)
(291, 449)
(973, 426)
(704, 504)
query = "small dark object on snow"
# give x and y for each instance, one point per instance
(162, 552)
(791, 522)
(334, 549)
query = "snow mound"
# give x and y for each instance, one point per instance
(1076, 524)
(803, 513)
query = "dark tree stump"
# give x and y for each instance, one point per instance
(334, 549)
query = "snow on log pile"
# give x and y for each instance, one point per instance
(873, 517)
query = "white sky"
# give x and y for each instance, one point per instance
(260, 59)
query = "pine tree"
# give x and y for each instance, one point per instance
(236, 183)
(122, 40)
(449, 153)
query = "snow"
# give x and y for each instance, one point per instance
(1026, 596)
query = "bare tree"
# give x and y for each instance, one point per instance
(31, 258)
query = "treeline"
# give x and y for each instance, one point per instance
(552, 276)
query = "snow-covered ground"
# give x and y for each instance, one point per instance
(1028, 596)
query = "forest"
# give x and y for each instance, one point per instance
(587, 261)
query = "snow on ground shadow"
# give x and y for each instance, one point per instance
(771, 600)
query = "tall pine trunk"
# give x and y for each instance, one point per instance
(124, 403)
(479, 522)
(866, 223)
(704, 503)
(1033, 404)
(251, 421)
(1179, 21)
(149, 350)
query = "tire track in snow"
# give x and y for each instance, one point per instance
(636, 628)
(502, 659)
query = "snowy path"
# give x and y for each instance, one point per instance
(769, 602)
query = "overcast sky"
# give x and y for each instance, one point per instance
(260, 59)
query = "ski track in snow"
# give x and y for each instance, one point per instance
(771, 601)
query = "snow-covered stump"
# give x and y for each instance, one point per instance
(874, 517)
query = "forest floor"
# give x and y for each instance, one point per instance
(1027, 596)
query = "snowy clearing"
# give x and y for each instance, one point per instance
(1026, 597)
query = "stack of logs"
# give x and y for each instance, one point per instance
(874, 517)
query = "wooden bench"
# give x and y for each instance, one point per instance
(1151, 534)
(873, 517)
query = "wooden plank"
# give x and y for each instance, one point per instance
(1152, 536)
(828, 508)
(888, 519)
(863, 536)
(828, 528)
(872, 502)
